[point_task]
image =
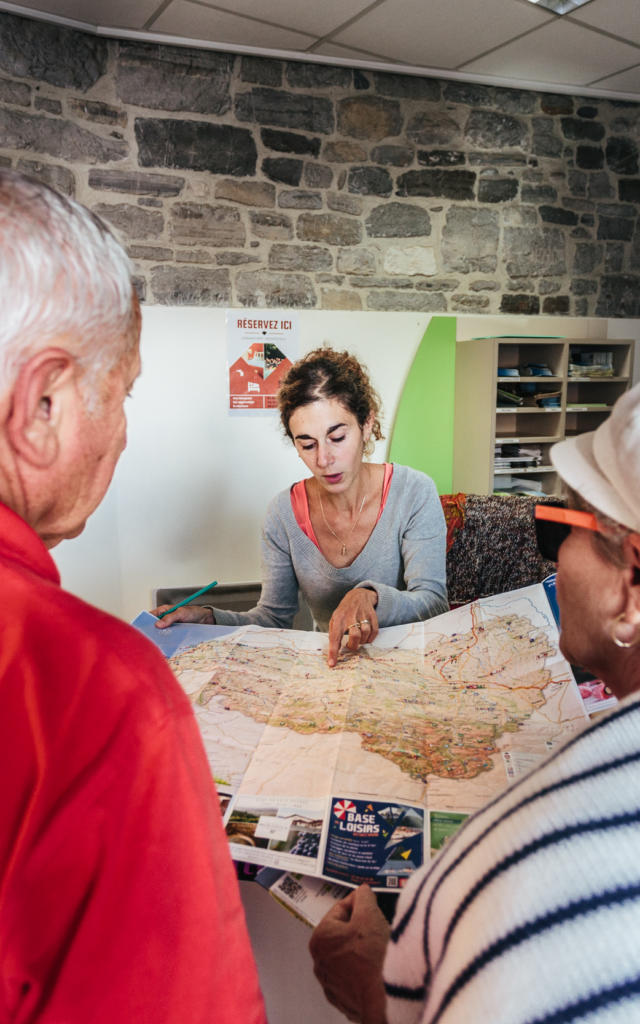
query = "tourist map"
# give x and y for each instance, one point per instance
(359, 772)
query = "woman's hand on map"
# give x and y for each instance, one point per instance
(348, 948)
(188, 613)
(354, 621)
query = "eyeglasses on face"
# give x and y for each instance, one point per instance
(553, 526)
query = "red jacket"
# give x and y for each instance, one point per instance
(118, 899)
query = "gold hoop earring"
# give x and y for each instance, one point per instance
(616, 639)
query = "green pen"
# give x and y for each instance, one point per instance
(203, 590)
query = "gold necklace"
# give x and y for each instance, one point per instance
(343, 543)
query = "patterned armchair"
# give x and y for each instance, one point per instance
(491, 545)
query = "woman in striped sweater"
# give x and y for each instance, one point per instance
(531, 914)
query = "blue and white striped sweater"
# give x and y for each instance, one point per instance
(531, 914)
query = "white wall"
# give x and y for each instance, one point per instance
(190, 492)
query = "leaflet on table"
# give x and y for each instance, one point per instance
(592, 690)
(348, 839)
(310, 898)
(305, 897)
(359, 841)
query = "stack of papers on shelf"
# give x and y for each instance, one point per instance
(575, 370)
(516, 456)
(518, 485)
(585, 406)
(591, 364)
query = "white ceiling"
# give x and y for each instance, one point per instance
(594, 51)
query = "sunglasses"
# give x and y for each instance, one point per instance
(553, 526)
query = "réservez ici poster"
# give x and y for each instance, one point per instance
(261, 346)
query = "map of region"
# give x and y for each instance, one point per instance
(436, 714)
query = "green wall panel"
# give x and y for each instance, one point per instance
(422, 435)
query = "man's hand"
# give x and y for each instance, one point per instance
(348, 948)
(188, 613)
(354, 618)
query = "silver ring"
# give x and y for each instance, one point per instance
(364, 622)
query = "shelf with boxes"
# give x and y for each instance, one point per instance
(517, 396)
(598, 374)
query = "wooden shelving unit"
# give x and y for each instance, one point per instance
(484, 419)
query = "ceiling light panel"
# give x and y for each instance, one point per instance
(560, 6)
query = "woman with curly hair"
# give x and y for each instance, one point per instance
(363, 542)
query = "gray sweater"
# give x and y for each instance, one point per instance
(403, 561)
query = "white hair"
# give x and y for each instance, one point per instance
(62, 272)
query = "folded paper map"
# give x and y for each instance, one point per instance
(341, 773)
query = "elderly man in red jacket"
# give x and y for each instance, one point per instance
(118, 899)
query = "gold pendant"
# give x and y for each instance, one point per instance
(344, 550)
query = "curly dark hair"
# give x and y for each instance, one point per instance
(325, 373)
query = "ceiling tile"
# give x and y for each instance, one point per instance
(561, 52)
(107, 13)
(442, 33)
(620, 17)
(626, 81)
(315, 18)
(190, 20)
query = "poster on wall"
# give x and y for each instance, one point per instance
(261, 346)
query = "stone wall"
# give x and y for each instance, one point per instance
(242, 181)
